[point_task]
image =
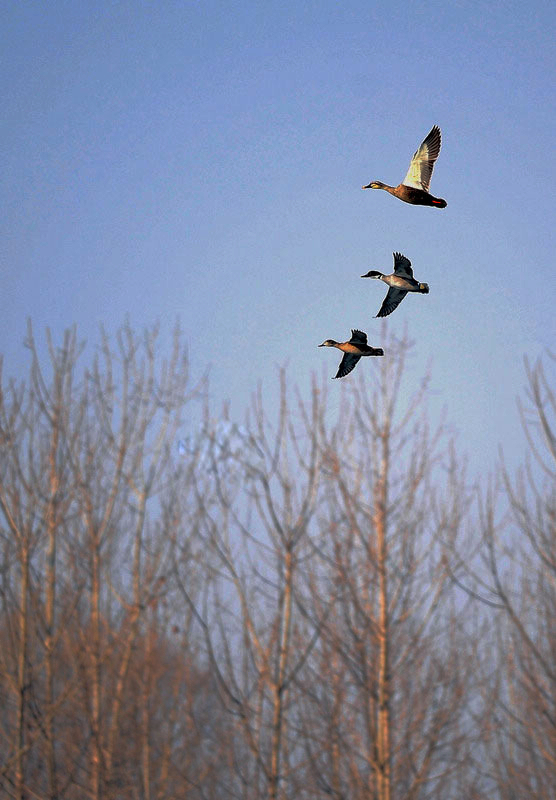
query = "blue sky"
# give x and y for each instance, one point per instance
(203, 162)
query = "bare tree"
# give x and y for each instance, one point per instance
(255, 509)
(511, 571)
(389, 682)
(87, 468)
(329, 620)
(36, 497)
(521, 555)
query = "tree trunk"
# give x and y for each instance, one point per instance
(383, 727)
(95, 674)
(279, 690)
(22, 673)
(49, 724)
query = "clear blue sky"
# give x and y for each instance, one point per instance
(202, 161)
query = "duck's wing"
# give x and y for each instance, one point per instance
(391, 301)
(422, 164)
(358, 337)
(347, 363)
(402, 266)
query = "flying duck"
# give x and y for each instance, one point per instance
(400, 282)
(415, 186)
(353, 350)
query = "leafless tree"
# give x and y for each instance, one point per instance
(522, 563)
(329, 619)
(255, 509)
(37, 492)
(288, 608)
(390, 679)
(513, 575)
(87, 470)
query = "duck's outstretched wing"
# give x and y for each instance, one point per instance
(347, 363)
(391, 301)
(402, 266)
(358, 337)
(422, 164)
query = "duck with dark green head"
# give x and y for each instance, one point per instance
(401, 281)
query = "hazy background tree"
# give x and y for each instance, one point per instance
(255, 507)
(521, 554)
(38, 423)
(330, 621)
(88, 472)
(386, 691)
(510, 569)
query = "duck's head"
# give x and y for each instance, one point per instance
(374, 185)
(328, 343)
(373, 273)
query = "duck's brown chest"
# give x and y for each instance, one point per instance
(398, 282)
(348, 347)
